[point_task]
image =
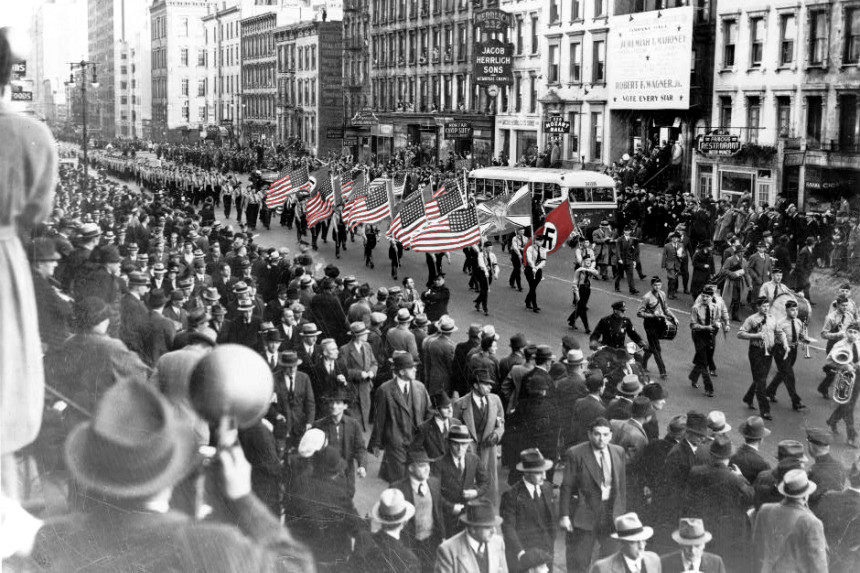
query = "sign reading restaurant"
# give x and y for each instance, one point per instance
(648, 59)
(494, 63)
(718, 144)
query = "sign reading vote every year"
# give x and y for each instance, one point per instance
(494, 63)
(649, 59)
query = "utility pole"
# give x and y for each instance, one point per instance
(82, 66)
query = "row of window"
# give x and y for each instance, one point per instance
(428, 45)
(260, 76)
(258, 106)
(578, 9)
(226, 31)
(391, 10)
(298, 92)
(816, 45)
(258, 46)
(289, 58)
(575, 72)
(428, 93)
(159, 27)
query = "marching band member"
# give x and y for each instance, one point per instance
(833, 331)
(789, 333)
(760, 334)
(845, 412)
(655, 313)
(704, 324)
(774, 287)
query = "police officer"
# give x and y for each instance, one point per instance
(612, 330)
(655, 313)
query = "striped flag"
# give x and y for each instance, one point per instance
(400, 183)
(321, 205)
(352, 189)
(447, 199)
(455, 230)
(300, 180)
(408, 220)
(278, 191)
(373, 206)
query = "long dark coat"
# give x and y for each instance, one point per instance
(396, 424)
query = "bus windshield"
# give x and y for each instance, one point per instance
(591, 195)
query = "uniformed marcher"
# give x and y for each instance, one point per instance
(789, 334)
(518, 244)
(845, 412)
(704, 324)
(613, 330)
(535, 262)
(655, 314)
(757, 330)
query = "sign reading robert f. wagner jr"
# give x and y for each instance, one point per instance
(494, 63)
(649, 59)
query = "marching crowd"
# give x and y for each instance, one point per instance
(135, 300)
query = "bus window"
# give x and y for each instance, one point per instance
(578, 195)
(551, 191)
(603, 195)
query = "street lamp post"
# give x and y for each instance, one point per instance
(83, 65)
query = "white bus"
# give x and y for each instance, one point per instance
(591, 195)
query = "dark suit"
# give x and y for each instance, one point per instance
(829, 474)
(396, 422)
(123, 541)
(567, 391)
(179, 317)
(326, 382)
(619, 409)
(439, 364)
(425, 549)
(297, 405)
(354, 361)
(54, 311)
(309, 359)
(585, 411)
(241, 332)
(679, 461)
(710, 563)
(750, 462)
(839, 511)
(653, 476)
(460, 382)
(134, 323)
(431, 439)
(159, 339)
(259, 446)
(580, 495)
(391, 556)
(329, 315)
(454, 483)
(528, 523)
(347, 438)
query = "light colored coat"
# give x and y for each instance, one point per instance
(788, 538)
(615, 563)
(455, 556)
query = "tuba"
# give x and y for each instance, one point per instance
(843, 385)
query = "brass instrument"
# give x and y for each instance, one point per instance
(843, 385)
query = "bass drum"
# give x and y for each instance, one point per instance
(670, 329)
(777, 307)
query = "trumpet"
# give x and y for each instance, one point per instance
(843, 385)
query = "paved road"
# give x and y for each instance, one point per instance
(509, 315)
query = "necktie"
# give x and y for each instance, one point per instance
(605, 467)
(793, 332)
(421, 489)
(536, 496)
(707, 315)
(289, 380)
(482, 549)
(273, 361)
(405, 390)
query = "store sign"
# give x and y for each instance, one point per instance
(556, 124)
(821, 180)
(334, 133)
(458, 130)
(645, 69)
(718, 144)
(492, 20)
(350, 140)
(22, 96)
(494, 63)
(365, 117)
(19, 69)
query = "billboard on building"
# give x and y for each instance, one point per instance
(648, 59)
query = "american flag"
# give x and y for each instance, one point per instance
(299, 179)
(447, 199)
(408, 220)
(352, 188)
(456, 230)
(321, 205)
(278, 191)
(373, 206)
(400, 183)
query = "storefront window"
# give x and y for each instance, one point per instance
(734, 184)
(526, 145)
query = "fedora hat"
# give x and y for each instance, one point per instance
(697, 423)
(753, 428)
(480, 513)
(211, 294)
(339, 394)
(575, 356)
(358, 328)
(629, 385)
(89, 231)
(244, 304)
(544, 353)
(43, 249)
(443, 400)
(402, 360)
(272, 336)
(418, 456)
(310, 329)
(629, 528)
(392, 508)
(717, 422)
(312, 441)
(796, 483)
(134, 446)
(90, 312)
(459, 433)
(721, 447)
(691, 531)
(107, 254)
(240, 287)
(289, 358)
(137, 278)
(531, 460)
(421, 320)
(159, 268)
(403, 316)
(446, 325)
(156, 298)
(790, 449)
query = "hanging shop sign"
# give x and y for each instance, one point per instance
(458, 130)
(364, 117)
(718, 144)
(494, 63)
(492, 20)
(556, 124)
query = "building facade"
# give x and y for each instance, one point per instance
(786, 87)
(178, 57)
(356, 57)
(258, 85)
(421, 80)
(309, 85)
(106, 26)
(51, 52)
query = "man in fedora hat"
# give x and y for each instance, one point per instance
(54, 308)
(790, 455)
(85, 244)
(330, 316)
(527, 511)
(402, 404)
(357, 360)
(426, 530)
(632, 536)
(718, 493)
(129, 523)
(512, 384)
(838, 511)
(329, 375)
(692, 537)
(391, 554)
(478, 548)
(272, 340)
(462, 474)
(586, 409)
(309, 353)
(686, 454)
(293, 409)
(438, 358)
(161, 330)
(621, 406)
(786, 535)
(245, 329)
(400, 338)
(433, 434)
(516, 357)
(593, 493)
(747, 458)
(344, 433)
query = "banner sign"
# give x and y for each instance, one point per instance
(492, 20)
(648, 55)
(494, 63)
(718, 144)
(458, 130)
(364, 117)
(556, 124)
(22, 96)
